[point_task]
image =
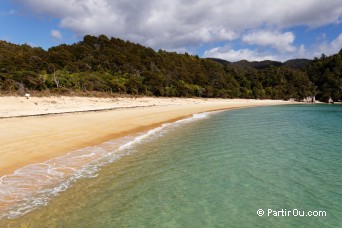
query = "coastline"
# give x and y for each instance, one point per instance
(82, 122)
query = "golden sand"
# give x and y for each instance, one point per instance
(34, 139)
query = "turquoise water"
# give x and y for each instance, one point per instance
(215, 172)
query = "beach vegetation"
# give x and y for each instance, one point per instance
(112, 65)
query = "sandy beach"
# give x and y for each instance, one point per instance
(40, 128)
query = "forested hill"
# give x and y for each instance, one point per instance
(117, 66)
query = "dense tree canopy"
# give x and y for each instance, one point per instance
(116, 66)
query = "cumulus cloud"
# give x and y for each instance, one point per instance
(178, 24)
(56, 34)
(185, 25)
(325, 47)
(283, 42)
(336, 44)
(227, 53)
(315, 50)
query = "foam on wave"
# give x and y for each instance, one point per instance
(32, 186)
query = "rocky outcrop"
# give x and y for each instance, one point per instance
(310, 99)
(330, 101)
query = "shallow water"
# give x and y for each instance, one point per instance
(216, 171)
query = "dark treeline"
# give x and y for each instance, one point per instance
(117, 66)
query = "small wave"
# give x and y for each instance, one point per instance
(32, 186)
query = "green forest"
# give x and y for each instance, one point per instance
(115, 66)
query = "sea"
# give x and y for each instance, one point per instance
(275, 166)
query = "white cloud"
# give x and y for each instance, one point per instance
(56, 34)
(283, 42)
(178, 24)
(235, 55)
(315, 50)
(323, 47)
(336, 45)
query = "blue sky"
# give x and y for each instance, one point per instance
(226, 29)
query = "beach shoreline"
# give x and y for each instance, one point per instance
(38, 129)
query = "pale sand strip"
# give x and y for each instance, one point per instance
(28, 140)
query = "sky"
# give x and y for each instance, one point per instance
(233, 30)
